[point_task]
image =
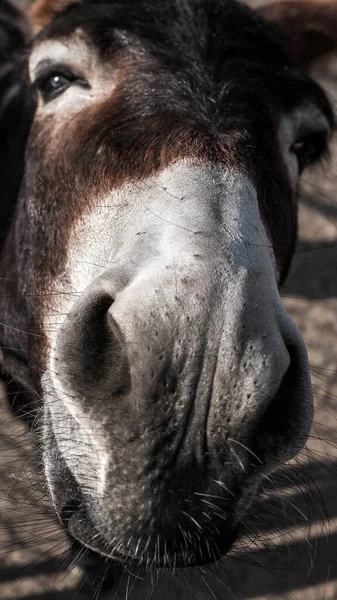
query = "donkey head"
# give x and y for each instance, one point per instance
(156, 220)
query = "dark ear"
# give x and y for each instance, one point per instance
(311, 26)
(41, 12)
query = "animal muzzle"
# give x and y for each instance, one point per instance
(175, 382)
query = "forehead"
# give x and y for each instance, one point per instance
(183, 29)
(211, 42)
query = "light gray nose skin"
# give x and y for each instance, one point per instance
(177, 378)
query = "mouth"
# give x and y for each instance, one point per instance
(186, 546)
(205, 550)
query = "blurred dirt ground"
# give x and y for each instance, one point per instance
(293, 552)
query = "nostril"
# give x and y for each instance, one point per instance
(69, 509)
(88, 344)
(283, 420)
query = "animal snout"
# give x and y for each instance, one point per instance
(176, 380)
(160, 388)
(91, 353)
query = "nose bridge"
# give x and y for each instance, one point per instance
(199, 247)
(195, 218)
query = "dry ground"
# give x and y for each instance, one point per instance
(299, 561)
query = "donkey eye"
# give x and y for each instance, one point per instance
(309, 149)
(55, 85)
(52, 84)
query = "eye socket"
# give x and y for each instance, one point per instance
(52, 82)
(310, 148)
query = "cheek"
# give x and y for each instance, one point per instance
(286, 136)
(68, 103)
(278, 209)
(291, 167)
